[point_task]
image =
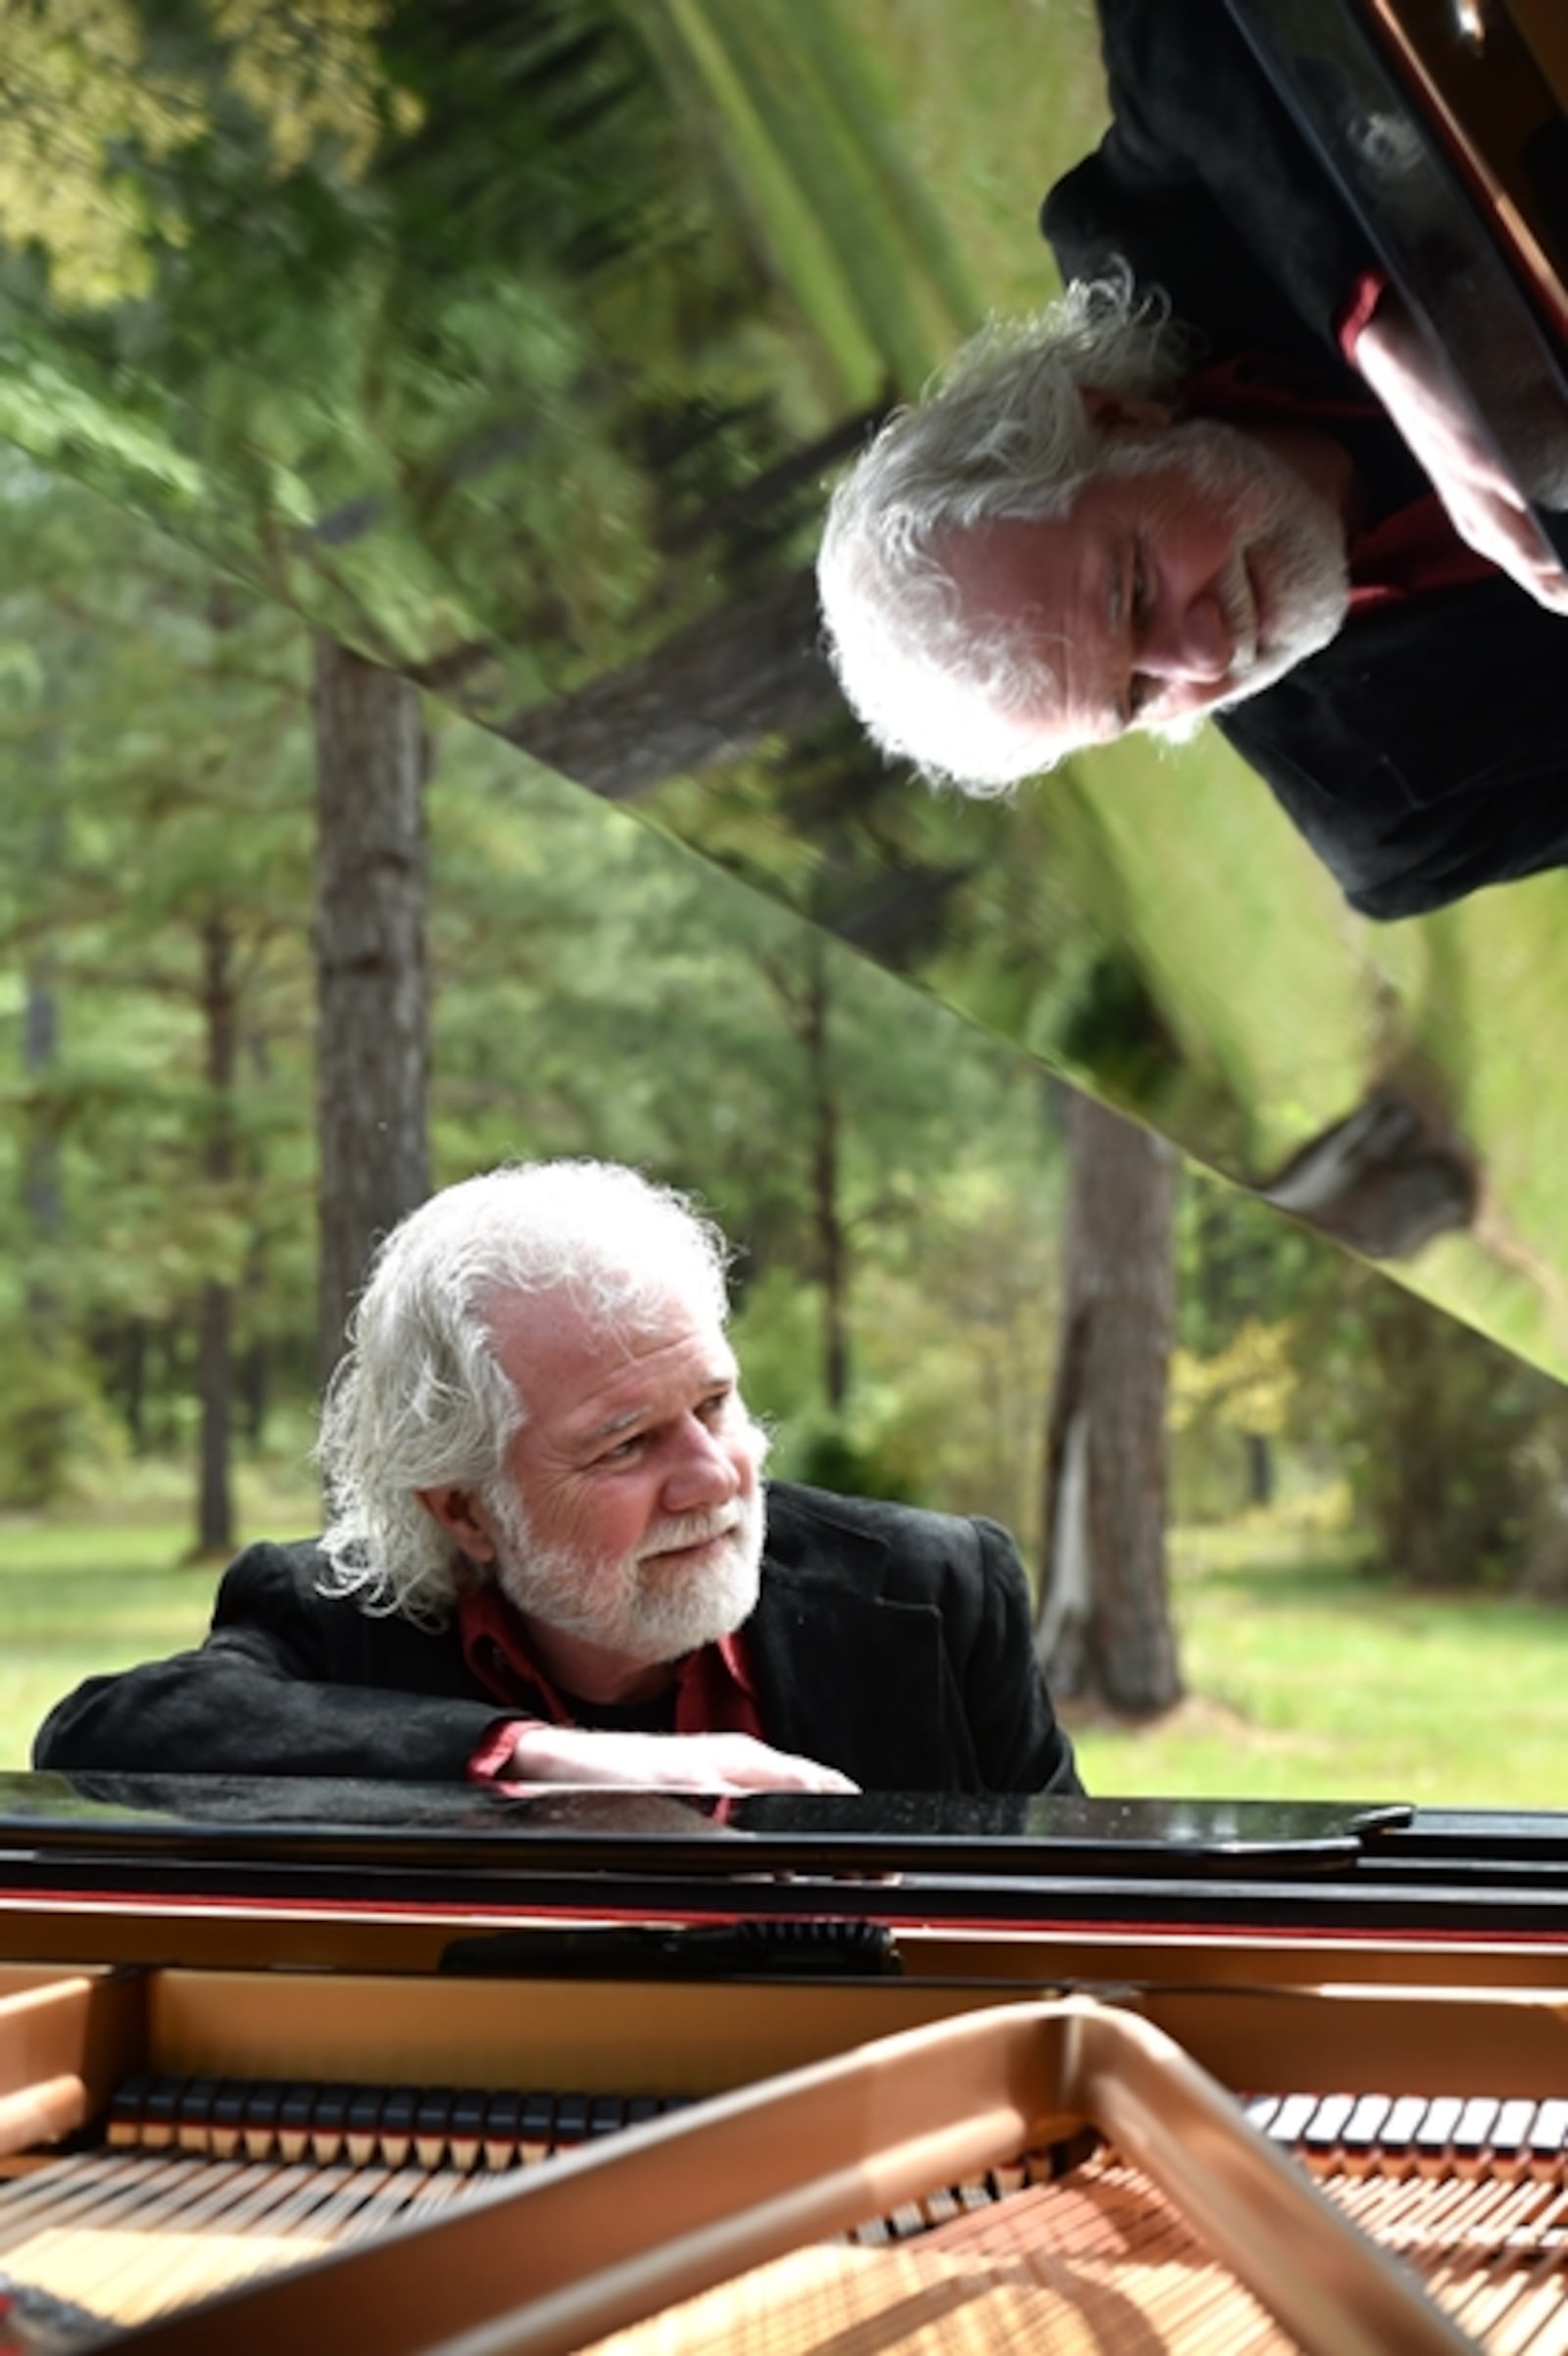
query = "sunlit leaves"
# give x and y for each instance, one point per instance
(1248, 1386)
(78, 96)
(89, 107)
(312, 75)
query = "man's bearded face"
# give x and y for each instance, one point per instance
(1283, 587)
(1193, 567)
(689, 1580)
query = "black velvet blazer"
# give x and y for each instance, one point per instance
(891, 1644)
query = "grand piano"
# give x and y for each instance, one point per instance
(446, 2070)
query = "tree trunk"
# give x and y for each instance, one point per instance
(40, 1153)
(1104, 1630)
(373, 1050)
(215, 1502)
(832, 1250)
(749, 670)
(133, 1380)
(1259, 1469)
(42, 1433)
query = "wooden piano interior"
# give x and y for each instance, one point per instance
(896, 2173)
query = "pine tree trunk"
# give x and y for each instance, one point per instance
(215, 1497)
(215, 1502)
(832, 1247)
(750, 668)
(1105, 1630)
(372, 1048)
(42, 1430)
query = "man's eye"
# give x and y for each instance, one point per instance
(1143, 588)
(623, 1450)
(716, 1409)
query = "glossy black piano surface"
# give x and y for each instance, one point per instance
(641, 1857)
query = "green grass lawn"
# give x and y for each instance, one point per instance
(1309, 1679)
(1306, 1679)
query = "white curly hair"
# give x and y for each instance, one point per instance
(419, 1401)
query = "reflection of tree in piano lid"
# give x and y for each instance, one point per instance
(388, 320)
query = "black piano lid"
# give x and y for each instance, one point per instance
(1386, 1870)
(320, 1822)
(1330, 66)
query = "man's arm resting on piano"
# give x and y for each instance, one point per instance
(223, 1711)
(288, 1682)
(293, 1682)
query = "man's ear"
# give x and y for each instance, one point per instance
(1120, 413)
(457, 1512)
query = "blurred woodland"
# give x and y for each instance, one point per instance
(893, 1176)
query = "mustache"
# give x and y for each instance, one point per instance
(692, 1530)
(1241, 616)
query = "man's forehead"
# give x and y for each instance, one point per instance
(579, 1356)
(1045, 582)
(1012, 559)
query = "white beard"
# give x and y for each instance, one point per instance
(633, 1605)
(1293, 548)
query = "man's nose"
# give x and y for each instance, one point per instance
(704, 1471)
(1191, 643)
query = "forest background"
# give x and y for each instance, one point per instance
(1364, 1493)
(1367, 1502)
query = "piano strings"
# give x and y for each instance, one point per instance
(202, 2183)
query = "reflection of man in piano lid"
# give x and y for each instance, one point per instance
(546, 1558)
(1203, 483)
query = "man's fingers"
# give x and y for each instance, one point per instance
(1509, 536)
(768, 1770)
(1529, 564)
(749, 1765)
(722, 1763)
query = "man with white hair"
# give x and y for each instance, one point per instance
(1226, 476)
(550, 1558)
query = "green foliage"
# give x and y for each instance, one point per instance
(828, 1454)
(1450, 1448)
(1433, 1425)
(53, 1421)
(162, 722)
(462, 261)
(1112, 1026)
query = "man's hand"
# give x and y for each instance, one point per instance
(1484, 507)
(727, 1763)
